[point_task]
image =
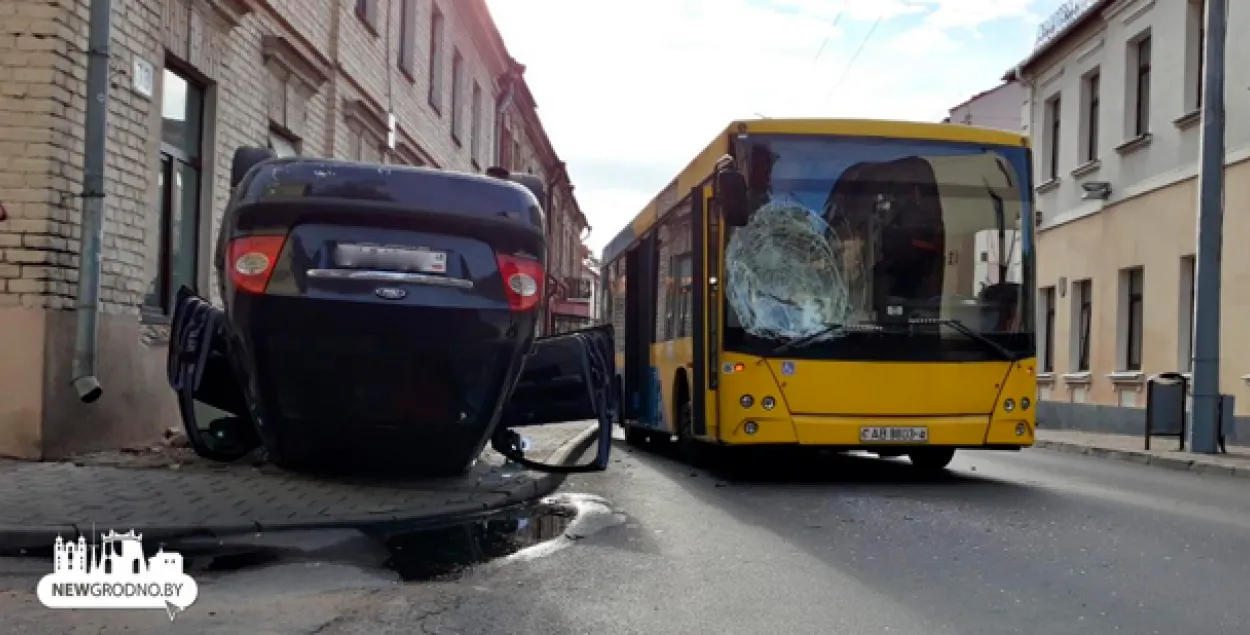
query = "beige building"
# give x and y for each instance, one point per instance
(1113, 106)
(421, 82)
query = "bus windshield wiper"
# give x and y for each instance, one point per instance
(963, 329)
(828, 330)
(804, 340)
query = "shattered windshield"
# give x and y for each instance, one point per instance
(860, 246)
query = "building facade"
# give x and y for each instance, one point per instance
(1113, 107)
(419, 82)
(998, 108)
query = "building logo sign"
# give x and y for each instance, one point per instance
(115, 575)
(1066, 14)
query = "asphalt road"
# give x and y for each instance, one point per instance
(1036, 542)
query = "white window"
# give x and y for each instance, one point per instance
(1130, 318)
(1047, 301)
(1185, 334)
(1054, 129)
(1091, 99)
(1139, 64)
(1195, 51)
(1082, 325)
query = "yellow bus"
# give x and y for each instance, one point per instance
(854, 285)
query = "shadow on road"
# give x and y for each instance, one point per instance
(816, 469)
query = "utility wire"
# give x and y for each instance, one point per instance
(837, 17)
(855, 56)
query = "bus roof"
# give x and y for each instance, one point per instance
(703, 164)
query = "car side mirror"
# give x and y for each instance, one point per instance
(730, 193)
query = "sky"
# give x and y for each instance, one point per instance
(629, 92)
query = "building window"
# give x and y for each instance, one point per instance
(282, 145)
(475, 124)
(367, 11)
(1141, 89)
(1185, 337)
(516, 156)
(178, 236)
(436, 60)
(1093, 104)
(457, 72)
(1082, 323)
(407, 36)
(1131, 284)
(1054, 127)
(1195, 57)
(1048, 330)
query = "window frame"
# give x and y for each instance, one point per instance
(1144, 50)
(1093, 114)
(166, 279)
(1135, 280)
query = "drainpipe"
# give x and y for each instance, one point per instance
(502, 105)
(87, 338)
(560, 173)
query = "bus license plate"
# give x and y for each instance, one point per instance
(893, 435)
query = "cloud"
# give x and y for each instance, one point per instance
(630, 92)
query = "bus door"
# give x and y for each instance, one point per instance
(705, 219)
(640, 288)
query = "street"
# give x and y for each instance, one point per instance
(1036, 542)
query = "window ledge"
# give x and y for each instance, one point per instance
(1048, 185)
(1087, 168)
(1127, 378)
(1082, 378)
(1135, 144)
(1046, 378)
(232, 11)
(1245, 378)
(1188, 120)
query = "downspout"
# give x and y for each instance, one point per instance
(506, 97)
(560, 173)
(87, 337)
(332, 91)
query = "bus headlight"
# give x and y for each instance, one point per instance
(751, 427)
(747, 401)
(1025, 403)
(1009, 405)
(768, 403)
(1021, 429)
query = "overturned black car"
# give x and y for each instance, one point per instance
(383, 316)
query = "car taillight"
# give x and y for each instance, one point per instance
(252, 260)
(522, 281)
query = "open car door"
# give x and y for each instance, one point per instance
(568, 377)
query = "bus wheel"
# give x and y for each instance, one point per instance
(636, 436)
(931, 459)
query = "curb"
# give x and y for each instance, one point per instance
(1142, 457)
(18, 541)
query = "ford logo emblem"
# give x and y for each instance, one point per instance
(391, 293)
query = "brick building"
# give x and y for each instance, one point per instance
(422, 82)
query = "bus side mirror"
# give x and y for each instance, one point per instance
(730, 192)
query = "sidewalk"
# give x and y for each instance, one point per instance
(1163, 451)
(167, 493)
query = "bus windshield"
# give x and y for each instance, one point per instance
(881, 249)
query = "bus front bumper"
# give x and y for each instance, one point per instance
(866, 432)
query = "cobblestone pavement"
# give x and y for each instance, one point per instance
(1163, 452)
(169, 492)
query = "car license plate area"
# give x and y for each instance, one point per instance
(390, 258)
(893, 434)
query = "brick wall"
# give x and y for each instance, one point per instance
(311, 71)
